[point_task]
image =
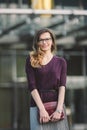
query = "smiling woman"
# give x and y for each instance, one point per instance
(46, 76)
(45, 41)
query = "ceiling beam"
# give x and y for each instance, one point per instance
(11, 28)
(51, 11)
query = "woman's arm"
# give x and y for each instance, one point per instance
(61, 98)
(44, 117)
(62, 87)
(37, 99)
(57, 114)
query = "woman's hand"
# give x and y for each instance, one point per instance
(44, 116)
(55, 116)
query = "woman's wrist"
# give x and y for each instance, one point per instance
(41, 107)
(59, 111)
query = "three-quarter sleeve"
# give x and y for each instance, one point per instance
(30, 75)
(63, 73)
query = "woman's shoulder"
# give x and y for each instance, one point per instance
(59, 59)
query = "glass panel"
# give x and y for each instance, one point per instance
(5, 108)
(75, 65)
(21, 59)
(12, 66)
(5, 68)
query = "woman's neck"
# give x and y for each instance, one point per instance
(48, 54)
(47, 58)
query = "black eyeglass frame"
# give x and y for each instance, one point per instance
(46, 40)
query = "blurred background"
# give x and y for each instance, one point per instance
(19, 19)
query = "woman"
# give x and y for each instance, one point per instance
(46, 75)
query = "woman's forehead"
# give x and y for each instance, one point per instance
(45, 35)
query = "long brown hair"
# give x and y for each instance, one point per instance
(37, 55)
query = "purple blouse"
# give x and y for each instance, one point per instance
(47, 79)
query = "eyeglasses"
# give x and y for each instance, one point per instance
(46, 40)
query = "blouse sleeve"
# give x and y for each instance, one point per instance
(63, 73)
(30, 75)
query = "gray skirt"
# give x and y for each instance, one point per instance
(35, 125)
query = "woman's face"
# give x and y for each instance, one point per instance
(45, 41)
